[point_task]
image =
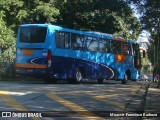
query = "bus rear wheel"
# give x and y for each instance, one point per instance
(50, 80)
(100, 81)
(78, 76)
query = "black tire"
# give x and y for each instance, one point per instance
(78, 76)
(125, 80)
(50, 80)
(71, 81)
(100, 81)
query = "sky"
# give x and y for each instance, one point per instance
(144, 35)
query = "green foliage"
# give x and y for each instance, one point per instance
(16, 12)
(7, 40)
(145, 66)
(27, 11)
(40, 11)
(150, 10)
(109, 16)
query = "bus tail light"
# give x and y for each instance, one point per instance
(49, 58)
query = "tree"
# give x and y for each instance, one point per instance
(150, 20)
(7, 40)
(28, 11)
(16, 12)
(109, 16)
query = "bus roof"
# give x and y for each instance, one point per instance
(89, 33)
(101, 34)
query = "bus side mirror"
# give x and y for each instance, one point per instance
(144, 54)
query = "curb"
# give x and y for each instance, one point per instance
(137, 103)
(152, 104)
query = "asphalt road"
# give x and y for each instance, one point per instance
(33, 99)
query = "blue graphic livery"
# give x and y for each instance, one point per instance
(52, 52)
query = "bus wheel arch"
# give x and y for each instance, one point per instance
(127, 76)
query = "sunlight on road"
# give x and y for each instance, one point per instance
(13, 93)
(74, 107)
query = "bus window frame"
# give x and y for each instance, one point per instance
(69, 37)
(29, 27)
(113, 49)
(108, 49)
(127, 51)
(79, 38)
(86, 46)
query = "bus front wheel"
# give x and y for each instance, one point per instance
(125, 80)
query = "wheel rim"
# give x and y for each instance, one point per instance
(126, 77)
(79, 76)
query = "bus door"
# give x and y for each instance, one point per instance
(32, 52)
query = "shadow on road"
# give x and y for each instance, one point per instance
(40, 81)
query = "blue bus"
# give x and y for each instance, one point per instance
(53, 53)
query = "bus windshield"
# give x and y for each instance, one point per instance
(33, 34)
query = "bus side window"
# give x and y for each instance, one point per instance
(77, 42)
(116, 47)
(104, 45)
(125, 49)
(62, 39)
(92, 44)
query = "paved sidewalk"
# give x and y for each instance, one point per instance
(145, 103)
(152, 102)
